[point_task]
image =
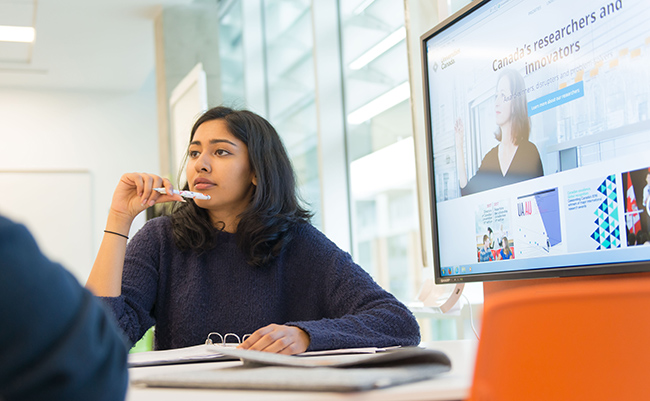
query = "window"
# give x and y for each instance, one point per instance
(291, 89)
(384, 219)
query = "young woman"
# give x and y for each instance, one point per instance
(485, 253)
(515, 158)
(505, 252)
(246, 261)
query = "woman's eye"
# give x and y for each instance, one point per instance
(193, 153)
(222, 152)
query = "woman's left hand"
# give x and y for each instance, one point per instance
(278, 339)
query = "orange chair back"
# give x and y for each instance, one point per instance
(584, 340)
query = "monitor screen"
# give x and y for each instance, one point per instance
(538, 136)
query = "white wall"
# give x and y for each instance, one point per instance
(103, 133)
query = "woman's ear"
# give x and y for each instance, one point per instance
(254, 180)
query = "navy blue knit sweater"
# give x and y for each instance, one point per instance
(312, 284)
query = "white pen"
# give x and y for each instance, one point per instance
(184, 194)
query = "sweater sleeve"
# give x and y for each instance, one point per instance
(359, 313)
(57, 342)
(133, 309)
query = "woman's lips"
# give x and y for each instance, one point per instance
(202, 186)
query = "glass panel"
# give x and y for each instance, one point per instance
(291, 90)
(231, 54)
(380, 147)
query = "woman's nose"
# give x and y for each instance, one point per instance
(202, 164)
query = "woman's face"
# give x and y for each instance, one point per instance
(218, 166)
(503, 102)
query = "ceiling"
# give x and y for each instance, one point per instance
(105, 45)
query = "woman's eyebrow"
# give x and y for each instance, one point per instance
(213, 141)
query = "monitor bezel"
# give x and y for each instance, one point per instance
(555, 272)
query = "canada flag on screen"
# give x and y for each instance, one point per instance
(633, 218)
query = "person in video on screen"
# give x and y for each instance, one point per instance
(491, 237)
(642, 238)
(515, 158)
(485, 253)
(646, 201)
(631, 238)
(505, 252)
(245, 261)
(57, 341)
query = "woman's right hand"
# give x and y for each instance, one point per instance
(134, 193)
(459, 130)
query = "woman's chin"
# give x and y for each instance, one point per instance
(501, 122)
(202, 203)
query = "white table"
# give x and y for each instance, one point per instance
(453, 385)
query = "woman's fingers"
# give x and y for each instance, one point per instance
(135, 193)
(157, 197)
(458, 127)
(148, 194)
(169, 188)
(278, 339)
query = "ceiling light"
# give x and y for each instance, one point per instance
(379, 49)
(24, 34)
(380, 104)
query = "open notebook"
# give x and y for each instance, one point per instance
(262, 370)
(212, 351)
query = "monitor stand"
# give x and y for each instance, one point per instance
(441, 297)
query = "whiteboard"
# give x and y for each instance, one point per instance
(61, 223)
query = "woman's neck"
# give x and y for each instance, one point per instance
(507, 148)
(227, 221)
(506, 135)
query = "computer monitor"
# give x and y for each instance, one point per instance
(538, 137)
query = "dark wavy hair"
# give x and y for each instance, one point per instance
(264, 226)
(519, 107)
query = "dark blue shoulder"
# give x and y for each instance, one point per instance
(308, 238)
(12, 233)
(307, 232)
